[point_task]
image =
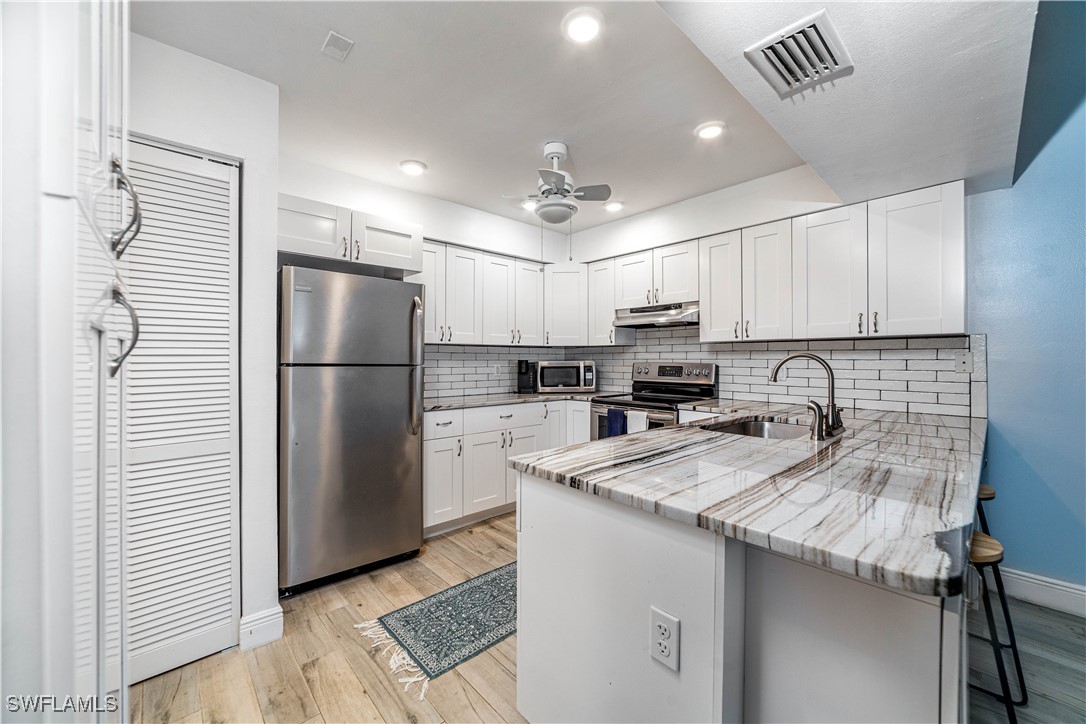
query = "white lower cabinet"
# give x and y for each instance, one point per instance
(554, 419)
(484, 471)
(521, 441)
(578, 422)
(443, 480)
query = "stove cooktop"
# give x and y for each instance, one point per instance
(666, 385)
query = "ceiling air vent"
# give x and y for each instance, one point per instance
(801, 56)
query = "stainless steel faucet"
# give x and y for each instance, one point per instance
(830, 423)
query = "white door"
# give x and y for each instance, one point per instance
(521, 441)
(312, 227)
(675, 273)
(386, 242)
(529, 285)
(916, 243)
(829, 273)
(463, 296)
(181, 416)
(442, 480)
(601, 302)
(499, 300)
(633, 280)
(721, 271)
(432, 277)
(767, 281)
(566, 301)
(578, 422)
(554, 419)
(484, 470)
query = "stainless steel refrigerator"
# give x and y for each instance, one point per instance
(350, 420)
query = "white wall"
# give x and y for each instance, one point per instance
(441, 220)
(187, 100)
(781, 195)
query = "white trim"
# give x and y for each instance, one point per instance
(1050, 592)
(261, 628)
(442, 528)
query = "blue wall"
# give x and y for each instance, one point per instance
(1027, 278)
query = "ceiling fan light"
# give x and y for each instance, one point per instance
(582, 25)
(528, 204)
(709, 130)
(556, 210)
(413, 168)
(613, 206)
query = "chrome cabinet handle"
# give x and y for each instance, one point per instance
(357, 249)
(459, 447)
(503, 441)
(746, 328)
(648, 296)
(346, 247)
(860, 323)
(444, 424)
(657, 296)
(737, 329)
(518, 336)
(875, 321)
(611, 336)
(512, 336)
(545, 411)
(442, 337)
(548, 337)
(116, 362)
(450, 333)
(118, 239)
(505, 417)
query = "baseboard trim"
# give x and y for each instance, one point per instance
(260, 628)
(467, 520)
(1044, 591)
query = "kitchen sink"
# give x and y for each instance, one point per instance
(761, 427)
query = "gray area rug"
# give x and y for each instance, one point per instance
(427, 638)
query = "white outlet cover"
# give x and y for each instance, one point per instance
(664, 638)
(963, 362)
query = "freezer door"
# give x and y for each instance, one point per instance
(335, 318)
(350, 468)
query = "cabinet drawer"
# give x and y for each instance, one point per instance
(442, 423)
(503, 417)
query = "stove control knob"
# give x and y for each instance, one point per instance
(688, 373)
(705, 372)
(640, 371)
(697, 373)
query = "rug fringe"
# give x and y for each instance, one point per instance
(399, 661)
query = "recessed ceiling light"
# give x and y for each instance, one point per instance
(613, 206)
(582, 24)
(413, 168)
(712, 129)
(528, 204)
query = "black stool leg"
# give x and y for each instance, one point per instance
(996, 650)
(983, 520)
(1013, 646)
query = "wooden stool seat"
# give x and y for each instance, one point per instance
(984, 549)
(986, 492)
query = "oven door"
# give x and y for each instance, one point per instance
(657, 418)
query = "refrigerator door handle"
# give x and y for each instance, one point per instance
(416, 333)
(416, 400)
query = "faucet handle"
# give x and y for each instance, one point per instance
(818, 424)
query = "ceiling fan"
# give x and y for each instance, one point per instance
(557, 199)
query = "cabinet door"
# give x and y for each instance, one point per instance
(916, 243)
(386, 242)
(484, 470)
(499, 300)
(463, 296)
(633, 280)
(829, 273)
(442, 480)
(554, 420)
(432, 277)
(566, 301)
(311, 227)
(767, 281)
(578, 423)
(675, 273)
(601, 302)
(529, 302)
(521, 441)
(721, 270)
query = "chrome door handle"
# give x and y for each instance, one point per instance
(746, 328)
(860, 323)
(357, 249)
(450, 333)
(548, 337)
(611, 336)
(518, 336)
(116, 362)
(657, 296)
(459, 447)
(503, 441)
(443, 424)
(118, 241)
(346, 247)
(875, 321)
(737, 329)
(545, 411)
(505, 417)
(648, 296)
(512, 336)
(442, 338)
(416, 333)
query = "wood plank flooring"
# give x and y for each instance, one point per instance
(322, 670)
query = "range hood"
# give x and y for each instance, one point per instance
(658, 315)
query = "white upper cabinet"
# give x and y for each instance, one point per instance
(529, 314)
(633, 280)
(721, 271)
(432, 277)
(916, 243)
(312, 227)
(499, 300)
(767, 281)
(565, 301)
(385, 242)
(829, 273)
(675, 273)
(601, 307)
(463, 296)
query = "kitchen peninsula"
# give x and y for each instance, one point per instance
(813, 581)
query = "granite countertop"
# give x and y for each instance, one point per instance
(430, 404)
(891, 500)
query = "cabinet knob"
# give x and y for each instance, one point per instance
(860, 323)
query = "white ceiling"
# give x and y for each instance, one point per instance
(936, 94)
(474, 89)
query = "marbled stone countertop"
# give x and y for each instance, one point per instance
(891, 500)
(429, 404)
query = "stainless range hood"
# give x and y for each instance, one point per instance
(658, 315)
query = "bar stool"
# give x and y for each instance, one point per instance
(985, 492)
(986, 552)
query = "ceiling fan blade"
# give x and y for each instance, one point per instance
(599, 192)
(554, 179)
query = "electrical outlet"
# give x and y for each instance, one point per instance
(497, 369)
(963, 362)
(664, 638)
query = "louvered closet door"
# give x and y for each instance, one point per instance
(181, 421)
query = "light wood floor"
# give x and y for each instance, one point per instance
(323, 670)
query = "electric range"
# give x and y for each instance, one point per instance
(658, 389)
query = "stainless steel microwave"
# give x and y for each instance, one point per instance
(566, 376)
